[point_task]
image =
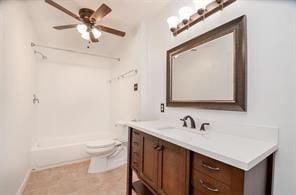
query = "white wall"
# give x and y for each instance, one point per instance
(293, 134)
(74, 99)
(294, 95)
(125, 102)
(17, 81)
(2, 138)
(270, 74)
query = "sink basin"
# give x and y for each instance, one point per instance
(184, 133)
(165, 128)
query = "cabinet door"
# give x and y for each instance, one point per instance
(149, 160)
(174, 170)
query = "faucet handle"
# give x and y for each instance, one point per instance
(202, 127)
(184, 122)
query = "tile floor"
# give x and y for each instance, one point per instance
(73, 179)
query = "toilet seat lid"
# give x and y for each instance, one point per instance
(101, 143)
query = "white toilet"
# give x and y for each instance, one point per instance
(106, 154)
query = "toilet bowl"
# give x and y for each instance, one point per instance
(106, 154)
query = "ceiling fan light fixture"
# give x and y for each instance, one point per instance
(85, 36)
(96, 33)
(81, 28)
(88, 18)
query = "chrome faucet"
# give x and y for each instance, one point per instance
(191, 121)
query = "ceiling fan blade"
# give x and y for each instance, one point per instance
(65, 27)
(110, 30)
(54, 4)
(101, 12)
(92, 37)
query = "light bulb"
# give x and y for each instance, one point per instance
(185, 13)
(96, 33)
(85, 36)
(201, 5)
(81, 28)
(173, 22)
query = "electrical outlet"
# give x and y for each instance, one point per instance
(162, 107)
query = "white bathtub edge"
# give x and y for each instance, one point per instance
(60, 164)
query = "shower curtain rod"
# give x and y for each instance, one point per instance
(73, 51)
(124, 75)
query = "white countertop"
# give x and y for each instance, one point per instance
(243, 152)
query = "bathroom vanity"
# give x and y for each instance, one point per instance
(206, 72)
(171, 161)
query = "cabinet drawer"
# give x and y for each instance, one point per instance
(136, 141)
(203, 184)
(195, 191)
(213, 168)
(135, 165)
(135, 150)
(135, 160)
(136, 134)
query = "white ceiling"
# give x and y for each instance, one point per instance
(125, 15)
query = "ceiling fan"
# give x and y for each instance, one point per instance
(88, 28)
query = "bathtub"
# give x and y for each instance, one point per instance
(55, 152)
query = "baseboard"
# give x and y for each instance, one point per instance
(24, 183)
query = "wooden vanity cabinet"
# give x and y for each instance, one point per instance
(173, 173)
(136, 150)
(212, 177)
(163, 167)
(209, 176)
(149, 160)
(167, 169)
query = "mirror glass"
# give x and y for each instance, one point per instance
(205, 72)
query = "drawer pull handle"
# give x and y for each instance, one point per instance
(136, 153)
(136, 143)
(210, 167)
(158, 147)
(135, 163)
(207, 187)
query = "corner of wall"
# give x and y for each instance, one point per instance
(17, 74)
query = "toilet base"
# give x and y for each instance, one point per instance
(97, 165)
(117, 159)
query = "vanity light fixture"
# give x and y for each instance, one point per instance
(173, 22)
(201, 5)
(185, 13)
(189, 17)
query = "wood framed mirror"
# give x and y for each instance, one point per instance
(210, 71)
